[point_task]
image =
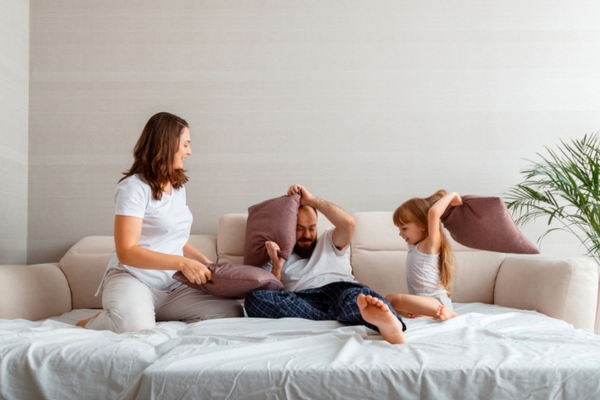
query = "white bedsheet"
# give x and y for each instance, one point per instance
(487, 352)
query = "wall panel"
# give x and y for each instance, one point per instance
(14, 114)
(367, 104)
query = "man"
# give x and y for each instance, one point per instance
(318, 279)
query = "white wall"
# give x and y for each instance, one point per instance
(366, 103)
(14, 108)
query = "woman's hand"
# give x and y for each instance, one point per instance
(195, 271)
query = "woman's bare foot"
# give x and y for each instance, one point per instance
(376, 312)
(84, 322)
(444, 313)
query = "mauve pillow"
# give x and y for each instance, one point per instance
(485, 223)
(272, 220)
(233, 281)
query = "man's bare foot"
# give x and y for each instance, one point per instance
(376, 312)
(444, 313)
(84, 322)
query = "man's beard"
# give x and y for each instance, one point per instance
(305, 252)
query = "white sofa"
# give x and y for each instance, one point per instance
(489, 289)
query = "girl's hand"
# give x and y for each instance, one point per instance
(432, 243)
(456, 200)
(195, 271)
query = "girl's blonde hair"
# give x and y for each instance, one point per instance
(416, 210)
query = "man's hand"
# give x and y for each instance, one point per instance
(272, 250)
(344, 223)
(306, 196)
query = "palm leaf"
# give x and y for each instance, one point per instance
(562, 186)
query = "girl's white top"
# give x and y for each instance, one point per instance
(422, 273)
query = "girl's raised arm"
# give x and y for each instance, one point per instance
(432, 244)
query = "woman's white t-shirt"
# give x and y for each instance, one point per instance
(165, 229)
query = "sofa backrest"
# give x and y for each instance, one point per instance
(378, 256)
(231, 232)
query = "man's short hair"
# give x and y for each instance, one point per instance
(311, 207)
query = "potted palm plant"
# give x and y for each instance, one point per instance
(563, 187)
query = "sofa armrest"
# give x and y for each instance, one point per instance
(33, 292)
(565, 288)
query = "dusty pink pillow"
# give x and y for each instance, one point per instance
(272, 220)
(485, 223)
(233, 281)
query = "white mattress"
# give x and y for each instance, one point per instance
(486, 352)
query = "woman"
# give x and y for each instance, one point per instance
(152, 228)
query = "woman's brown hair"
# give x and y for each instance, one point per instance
(154, 153)
(416, 210)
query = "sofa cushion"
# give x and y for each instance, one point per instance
(272, 220)
(475, 276)
(485, 223)
(84, 265)
(378, 255)
(231, 233)
(234, 281)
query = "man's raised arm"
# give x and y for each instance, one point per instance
(343, 222)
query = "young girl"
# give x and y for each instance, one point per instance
(429, 268)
